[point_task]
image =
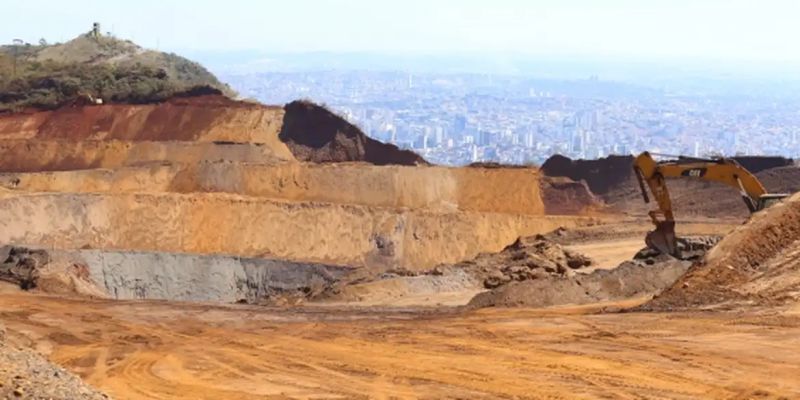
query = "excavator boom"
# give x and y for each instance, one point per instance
(653, 174)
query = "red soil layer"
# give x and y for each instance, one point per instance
(178, 119)
(315, 134)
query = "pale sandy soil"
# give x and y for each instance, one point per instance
(158, 350)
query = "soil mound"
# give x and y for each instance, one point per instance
(532, 257)
(601, 175)
(22, 266)
(756, 264)
(24, 374)
(629, 280)
(645, 275)
(564, 196)
(315, 134)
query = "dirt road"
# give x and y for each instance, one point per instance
(158, 350)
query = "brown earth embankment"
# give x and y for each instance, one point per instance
(22, 155)
(756, 264)
(503, 190)
(196, 119)
(247, 226)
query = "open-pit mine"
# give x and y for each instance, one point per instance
(206, 248)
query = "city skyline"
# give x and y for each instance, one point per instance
(457, 119)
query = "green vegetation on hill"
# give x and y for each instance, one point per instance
(117, 71)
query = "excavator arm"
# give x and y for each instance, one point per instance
(726, 171)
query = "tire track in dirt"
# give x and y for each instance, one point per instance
(143, 350)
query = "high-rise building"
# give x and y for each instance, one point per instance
(459, 124)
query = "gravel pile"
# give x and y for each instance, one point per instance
(24, 374)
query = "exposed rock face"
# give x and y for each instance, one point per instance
(315, 134)
(164, 276)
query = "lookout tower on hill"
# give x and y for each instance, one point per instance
(95, 33)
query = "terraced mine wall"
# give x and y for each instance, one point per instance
(212, 176)
(205, 223)
(22, 155)
(507, 190)
(198, 119)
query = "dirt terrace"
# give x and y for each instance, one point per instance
(208, 223)
(506, 190)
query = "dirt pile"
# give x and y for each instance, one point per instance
(528, 258)
(756, 264)
(25, 374)
(601, 175)
(315, 134)
(646, 274)
(629, 280)
(22, 266)
(562, 195)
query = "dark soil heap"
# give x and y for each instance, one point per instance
(20, 266)
(315, 134)
(602, 175)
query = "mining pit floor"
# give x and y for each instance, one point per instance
(162, 350)
(404, 350)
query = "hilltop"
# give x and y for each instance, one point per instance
(101, 66)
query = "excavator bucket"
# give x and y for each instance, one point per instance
(663, 238)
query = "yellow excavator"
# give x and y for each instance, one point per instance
(722, 170)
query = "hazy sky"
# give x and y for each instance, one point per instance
(764, 31)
